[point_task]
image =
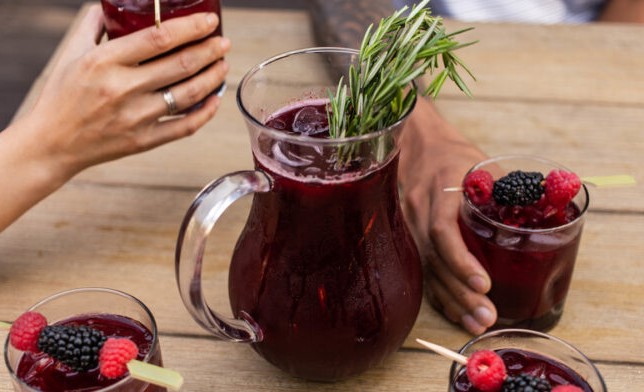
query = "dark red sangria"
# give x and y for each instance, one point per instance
(325, 264)
(49, 350)
(527, 365)
(325, 280)
(44, 373)
(542, 361)
(524, 224)
(123, 17)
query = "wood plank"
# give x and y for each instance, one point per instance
(124, 238)
(594, 63)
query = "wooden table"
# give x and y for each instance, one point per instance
(574, 94)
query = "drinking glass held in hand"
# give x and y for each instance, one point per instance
(525, 236)
(123, 17)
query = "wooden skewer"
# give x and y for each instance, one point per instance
(462, 359)
(157, 13)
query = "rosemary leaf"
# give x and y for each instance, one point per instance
(401, 48)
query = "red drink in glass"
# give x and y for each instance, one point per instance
(127, 16)
(46, 374)
(533, 364)
(123, 17)
(332, 293)
(529, 256)
(533, 353)
(114, 313)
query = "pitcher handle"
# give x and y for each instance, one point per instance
(199, 220)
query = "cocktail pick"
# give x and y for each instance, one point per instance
(606, 181)
(444, 351)
(485, 368)
(596, 181)
(143, 371)
(157, 13)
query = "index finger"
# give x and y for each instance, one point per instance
(153, 41)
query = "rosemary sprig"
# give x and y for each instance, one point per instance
(401, 49)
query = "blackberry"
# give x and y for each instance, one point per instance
(518, 188)
(525, 383)
(75, 346)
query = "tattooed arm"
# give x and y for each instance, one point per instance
(343, 22)
(434, 156)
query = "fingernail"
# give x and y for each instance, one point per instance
(483, 316)
(211, 19)
(478, 283)
(224, 43)
(470, 324)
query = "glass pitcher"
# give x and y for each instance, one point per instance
(325, 279)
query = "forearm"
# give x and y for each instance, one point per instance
(623, 11)
(343, 23)
(26, 176)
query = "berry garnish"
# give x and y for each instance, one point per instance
(25, 330)
(566, 388)
(518, 188)
(526, 383)
(486, 370)
(478, 186)
(75, 346)
(561, 186)
(115, 355)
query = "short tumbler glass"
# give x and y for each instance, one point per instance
(92, 301)
(561, 357)
(530, 268)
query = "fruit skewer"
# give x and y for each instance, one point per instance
(84, 348)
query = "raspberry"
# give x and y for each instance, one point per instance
(25, 330)
(561, 186)
(566, 388)
(75, 346)
(478, 186)
(526, 383)
(115, 355)
(486, 370)
(518, 188)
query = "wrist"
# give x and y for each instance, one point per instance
(27, 177)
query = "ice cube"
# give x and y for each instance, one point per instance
(481, 229)
(287, 156)
(552, 241)
(508, 239)
(310, 121)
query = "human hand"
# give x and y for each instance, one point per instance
(102, 102)
(435, 156)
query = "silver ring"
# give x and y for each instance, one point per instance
(170, 102)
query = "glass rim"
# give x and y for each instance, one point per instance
(524, 230)
(295, 138)
(105, 290)
(151, 12)
(530, 333)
